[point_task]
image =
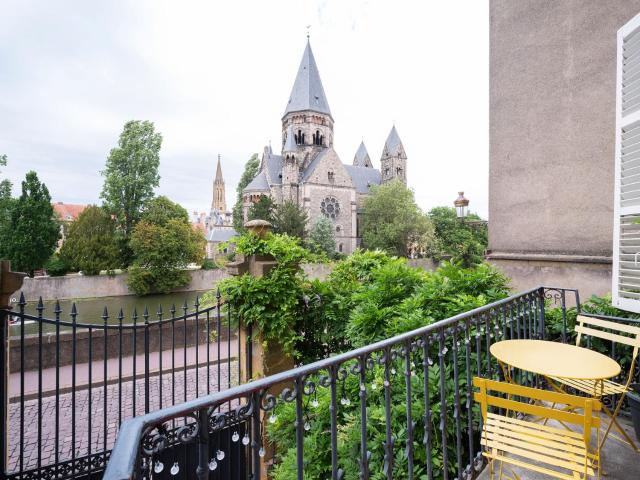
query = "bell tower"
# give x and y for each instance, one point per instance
(393, 163)
(290, 167)
(307, 112)
(219, 202)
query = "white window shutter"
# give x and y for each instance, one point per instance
(626, 232)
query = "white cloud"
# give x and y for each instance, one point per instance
(215, 77)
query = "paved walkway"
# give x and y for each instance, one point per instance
(89, 431)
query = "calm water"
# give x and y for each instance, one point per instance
(90, 310)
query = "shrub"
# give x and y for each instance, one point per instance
(209, 264)
(56, 266)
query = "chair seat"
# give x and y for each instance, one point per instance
(593, 387)
(559, 453)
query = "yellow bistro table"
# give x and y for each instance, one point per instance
(554, 359)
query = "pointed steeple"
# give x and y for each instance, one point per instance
(393, 146)
(307, 92)
(219, 178)
(362, 157)
(289, 143)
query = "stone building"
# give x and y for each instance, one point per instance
(552, 140)
(309, 172)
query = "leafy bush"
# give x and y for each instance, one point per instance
(56, 266)
(209, 264)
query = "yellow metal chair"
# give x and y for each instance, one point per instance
(557, 452)
(615, 332)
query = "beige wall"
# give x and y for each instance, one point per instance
(552, 108)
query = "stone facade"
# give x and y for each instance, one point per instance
(309, 172)
(552, 136)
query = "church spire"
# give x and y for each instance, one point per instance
(362, 158)
(219, 202)
(307, 92)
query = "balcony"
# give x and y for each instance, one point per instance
(398, 408)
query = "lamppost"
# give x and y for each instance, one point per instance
(462, 206)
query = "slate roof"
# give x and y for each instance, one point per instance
(312, 166)
(289, 144)
(258, 184)
(307, 92)
(362, 158)
(221, 234)
(274, 169)
(363, 177)
(394, 144)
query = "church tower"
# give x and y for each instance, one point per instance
(219, 202)
(290, 167)
(394, 159)
(307, 113)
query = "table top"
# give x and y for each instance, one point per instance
(554, 359)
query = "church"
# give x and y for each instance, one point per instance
(309, 172)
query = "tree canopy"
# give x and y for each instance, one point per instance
(262, 209)
(392, 221)
(6, 204)
(250, 171)
(91, 244)
(32, 228)
(321, 237)
(290, 219)
(131, 173)
(163, 243)
(465, 240)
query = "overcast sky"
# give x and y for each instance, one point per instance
(215, 78)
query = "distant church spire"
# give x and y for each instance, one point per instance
(362, 158)
(393, 162)
(219, 202)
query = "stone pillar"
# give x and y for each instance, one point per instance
(10, 282)
(259, 362)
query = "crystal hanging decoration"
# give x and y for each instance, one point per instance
(272, 418)
(235, 437)
(158, 467)
(245, 439)
(213, 464)
(220, 455)
(314, 403)
(261, 452)
(175, 469)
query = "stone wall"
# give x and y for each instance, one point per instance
(81, 286)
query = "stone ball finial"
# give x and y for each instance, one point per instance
(258, 227)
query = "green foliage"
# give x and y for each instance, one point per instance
(56, 266)
(393, 222)
(91, 244)
(164, 244)
(209, 264)
(273, 303)
(262, 209)
(131, 173)
(465, 241)
(322, 238)
(289, 219)
(250, 171)
(32, 230)
(6, 205)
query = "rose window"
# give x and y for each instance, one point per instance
(330, 207)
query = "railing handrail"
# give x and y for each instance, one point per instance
(132, 430)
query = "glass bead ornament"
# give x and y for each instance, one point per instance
(314, 403)
(363, 387)
(220, 455)
(345, 401)
(444, 351)
(245, 439)
(213, 464)
(307, 426)
(261, 452)
(175, 468)
(158, 467)
(272, 418)
(386, 383)
(374, 386)
(429, 361)
(235, 437)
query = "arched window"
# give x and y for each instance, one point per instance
(300, 139)
(338, 229)
(313, 137)
(399, 171)
(330, 207)
(340, 248)
(317, 138)
(386, 172)
(331, 175)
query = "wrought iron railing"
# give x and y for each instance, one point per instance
(439, 436)
(70, 384)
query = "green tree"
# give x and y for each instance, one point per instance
(6, 205)
(131, 173)
(322, 238)
(465, 241)
(33, 227)
(393, 222)
(91, 244)
(262, 209)
(163, 243)
(251, 169)
(290, 219)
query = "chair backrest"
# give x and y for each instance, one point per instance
(589, 406)
(597, 327)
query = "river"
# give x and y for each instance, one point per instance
(90, 310)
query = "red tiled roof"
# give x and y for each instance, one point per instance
(68, 211)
